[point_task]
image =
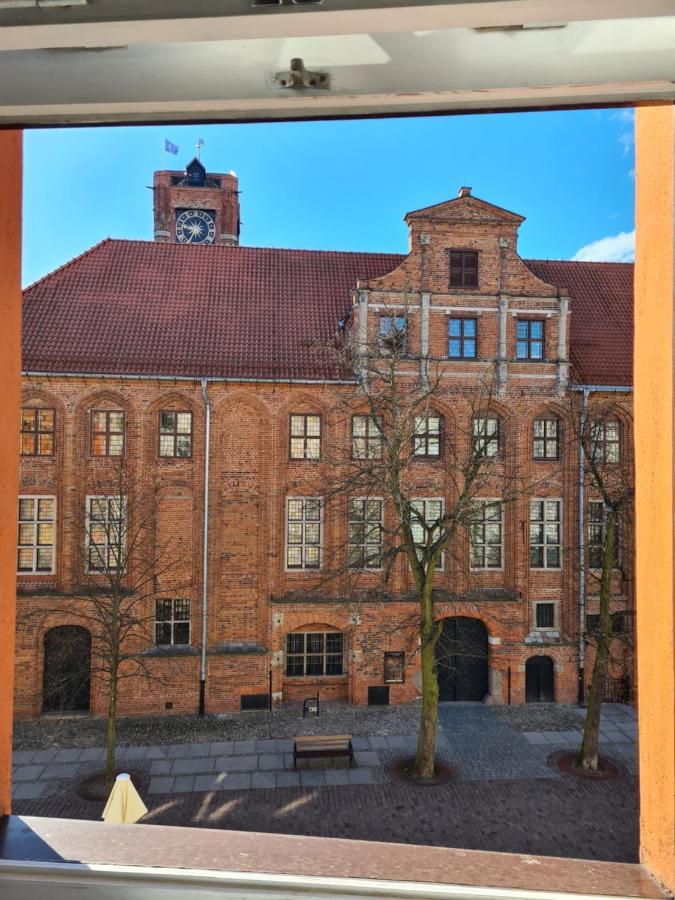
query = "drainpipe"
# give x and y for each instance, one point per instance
(205, 555)
(582, 548)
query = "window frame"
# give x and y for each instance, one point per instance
(536, 604)
(529, 341)
(425, 435)
(175, 433)
(462, 337)
(484, 502)
(37, 431)
(488, 438)
(388, 656)
(366, 437)
(440, 563)
(172, 621)
(304, 436)
(604, 443)
(36, 521)
(87, 536)
(108, 433)
(464, 252)
(364, 544)
(544, 545)
(402, 333)
(545, 439)
(593, 545)
(324, 654)
(303, 544)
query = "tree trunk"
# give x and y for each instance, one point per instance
(423, 765)
(110, 732)
(588, 754)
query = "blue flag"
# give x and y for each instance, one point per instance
(170, 148)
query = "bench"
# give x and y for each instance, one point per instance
(311, 746)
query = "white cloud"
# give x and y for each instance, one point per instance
(613, 248)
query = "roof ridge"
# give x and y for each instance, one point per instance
(66, 265)
(210, 247)
(582, 262)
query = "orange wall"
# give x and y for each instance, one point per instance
(10, 385)
(655, 498)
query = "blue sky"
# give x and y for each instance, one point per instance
(344, 185)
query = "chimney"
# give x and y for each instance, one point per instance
(464, 192)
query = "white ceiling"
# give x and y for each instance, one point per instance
(115, 60)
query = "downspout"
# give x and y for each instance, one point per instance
(205, 549)
(581, 688)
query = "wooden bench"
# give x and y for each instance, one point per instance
(311, 746)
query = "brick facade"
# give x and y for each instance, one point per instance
(254, 602)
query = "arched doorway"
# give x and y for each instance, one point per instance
(462, 659)
(539, 680)
(67, 669)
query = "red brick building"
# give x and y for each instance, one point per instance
(131, 347)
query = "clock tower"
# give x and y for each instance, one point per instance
(196, 206)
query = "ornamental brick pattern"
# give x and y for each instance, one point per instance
(267, 368)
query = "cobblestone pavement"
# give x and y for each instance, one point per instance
(504, 795)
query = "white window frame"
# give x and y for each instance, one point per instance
(535, 605)
(87, 535)
(379, 500)
(36, 521)
(559, 545)
(484, 501)
(304, 437)
(440, 565)
(173, 621)
(303, 567)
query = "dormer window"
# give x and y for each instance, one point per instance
(464, 268)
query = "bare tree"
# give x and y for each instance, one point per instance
(609, 478)
(125, 572)
(400, 451)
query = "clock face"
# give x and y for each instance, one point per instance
(195, 226)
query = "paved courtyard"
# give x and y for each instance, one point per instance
(504, 795)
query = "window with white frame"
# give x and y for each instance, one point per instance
(486, 436)
(303, 532)
(605, 441)
(305, 436)
(545, 534)
(546, 439)
(425, 522)
(544, 615)
(365, 533)
(597, 534)
(37, 518)
(366, 437)
(172, 622)
(427, 436)
(314, 653)
(487, 534)
(105, 533)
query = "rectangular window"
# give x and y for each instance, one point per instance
(107, 432)
(462, 338)
(365, 533)
(544, 615)
(366, 437)
(619, 624)
(175, 433)
(486, 534)
(394, 668)
(545, 442)
(37, 522)
(393, 332)
(597, 531)
(605, 441)
(545, 534)
(172, 622)
(37, 431)
(305, 436)
(463, 268)
(303, 532)
(426, 515)
(427, 436)
(314, 653)
(105, 533)
(486, 437)
(530, 339)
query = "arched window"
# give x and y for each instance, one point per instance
(546, 438)
(427, 435)
(605, 440)
(38, 425)
(314, 653)
(486, 435)
(106, 432)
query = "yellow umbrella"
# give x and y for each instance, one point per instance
(124, 803)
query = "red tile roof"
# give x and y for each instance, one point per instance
(143, 308)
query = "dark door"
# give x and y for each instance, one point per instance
(67, 669)
(462, 659)
(539, 680)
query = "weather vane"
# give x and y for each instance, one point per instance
(200, 143)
